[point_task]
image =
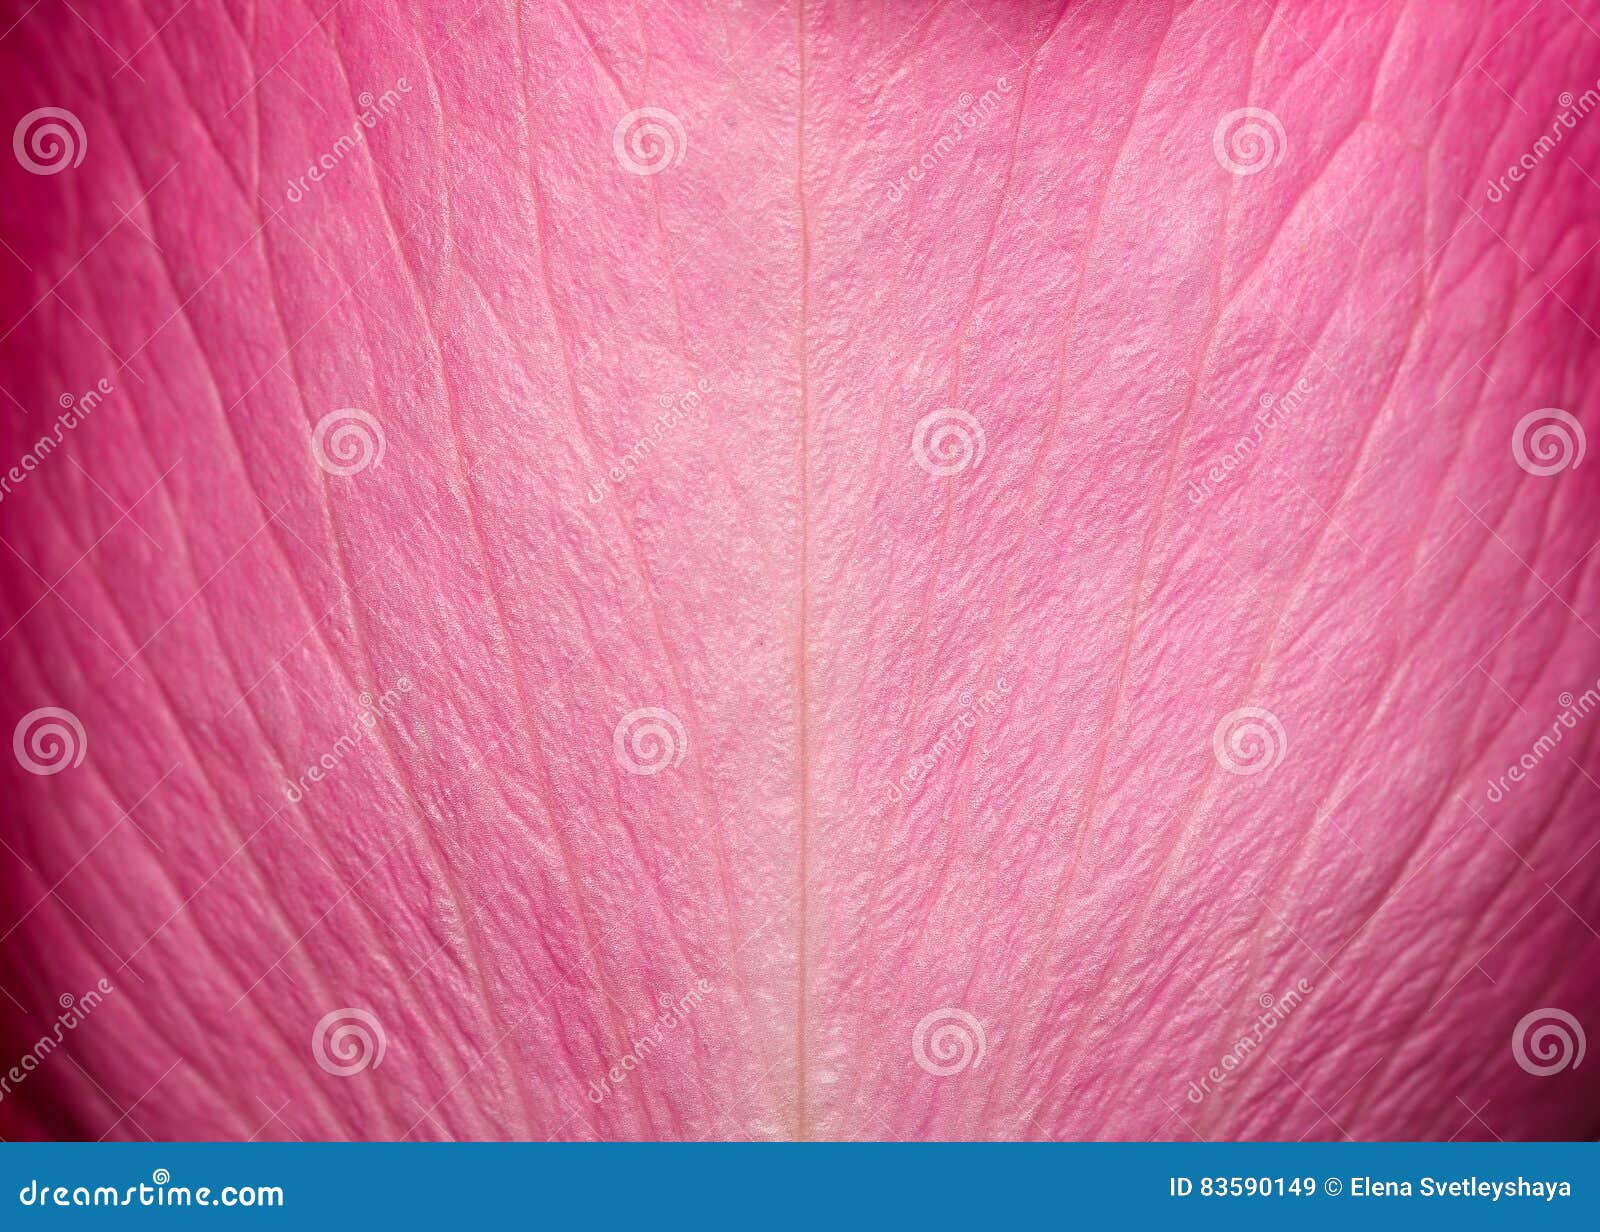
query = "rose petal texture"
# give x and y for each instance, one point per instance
(959, 570)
